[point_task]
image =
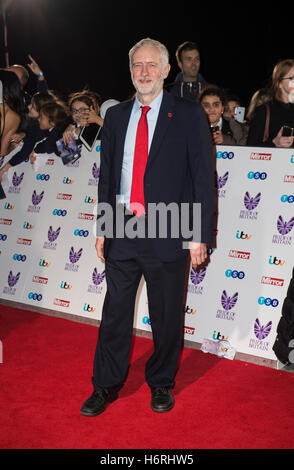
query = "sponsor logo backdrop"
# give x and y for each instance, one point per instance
(48, 257)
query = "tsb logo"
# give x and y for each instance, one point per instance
(42, 177)
(17, 257)
(286, 198)
(257, 175)
(81, 233)
(34, 296)
(60, 212)
(235, 274)
(225, 155)
(268, 301)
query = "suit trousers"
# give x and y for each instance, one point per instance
(165, 283)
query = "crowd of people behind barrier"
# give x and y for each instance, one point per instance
(36, 125)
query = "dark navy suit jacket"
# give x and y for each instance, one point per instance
(179, 167)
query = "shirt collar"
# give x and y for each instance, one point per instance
(154, 105)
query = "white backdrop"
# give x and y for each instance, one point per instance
(47, 253)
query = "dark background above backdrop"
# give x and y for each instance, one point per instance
(78, 43)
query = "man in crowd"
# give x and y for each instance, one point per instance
(189, 82)
(155, 148)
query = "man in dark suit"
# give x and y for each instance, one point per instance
(155, 149)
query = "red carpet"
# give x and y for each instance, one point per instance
(45, 377)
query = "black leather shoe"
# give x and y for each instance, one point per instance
(97, 402)
(161, 399)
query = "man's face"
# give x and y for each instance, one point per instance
(147, 71)
(213, 107)
(189, 65)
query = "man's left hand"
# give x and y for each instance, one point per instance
(198, 253)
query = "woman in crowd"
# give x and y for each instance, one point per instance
(273, 122)
(260, 97)
(224, 131)
(33, 132)
(84, 107)
(11, 109)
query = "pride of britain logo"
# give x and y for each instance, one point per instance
(196, 277)
(284, 227)
(52, 237)
(250, 203)
(95, 175)
(97, 279)
(12, 280)
(221, 182)
(261, 332)
(36, 200)
(228, 303)
(74, 257)
(16, 181)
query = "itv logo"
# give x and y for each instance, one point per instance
(242, 236)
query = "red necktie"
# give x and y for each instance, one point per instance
(139, 165)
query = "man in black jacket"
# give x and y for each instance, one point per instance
(177, 169)
(189, 82)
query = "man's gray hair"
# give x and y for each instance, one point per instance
(150, 42)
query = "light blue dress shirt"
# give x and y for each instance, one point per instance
(129, 147)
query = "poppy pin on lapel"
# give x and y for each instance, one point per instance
(169, 115)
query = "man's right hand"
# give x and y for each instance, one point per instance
(100, 248)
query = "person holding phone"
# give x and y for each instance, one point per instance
(84, 108)
(272, 124)
(224, 131)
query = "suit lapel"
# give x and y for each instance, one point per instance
(121, 136)
(164, 119)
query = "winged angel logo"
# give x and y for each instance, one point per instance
(97, 279)
(284, 227)
(74, 257)
(261, 332)
(221, 182)
(16, 180)
(250, 203)
(36, 200)
(52, 237)
(196, 277)
(95, 174)
(228, 303)
(12, 281)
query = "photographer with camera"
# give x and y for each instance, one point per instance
(272, 124)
